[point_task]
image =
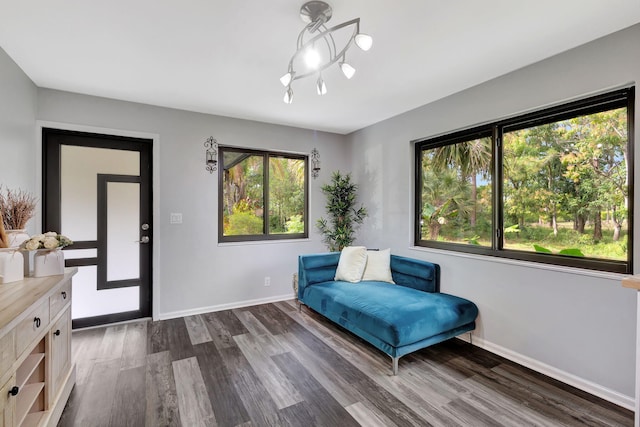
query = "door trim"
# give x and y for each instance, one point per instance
(54, 142)
(155, 214)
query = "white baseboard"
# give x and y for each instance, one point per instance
(590, 387)
(220, 307)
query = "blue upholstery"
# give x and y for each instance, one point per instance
(397, 319)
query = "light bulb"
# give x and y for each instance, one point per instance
(312, 58)
(321, 86)
(364, 41)
(347, 70)
(288, 96)
(286, 79)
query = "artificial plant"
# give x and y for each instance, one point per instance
(339, 229)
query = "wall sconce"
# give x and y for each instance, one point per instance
(211, 159)
(315, 163)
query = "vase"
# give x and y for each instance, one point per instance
(11, 262)
(48, 262)
(17, 237)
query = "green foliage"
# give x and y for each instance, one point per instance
(564, 184)
(539, 248)
(243, 197)
(295, 224)
(338, 231)
(243, 223)
(569, 251)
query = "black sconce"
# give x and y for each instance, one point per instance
(315, 163)
(211, 159)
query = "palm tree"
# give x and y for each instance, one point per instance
(471, 158)
(444, 197)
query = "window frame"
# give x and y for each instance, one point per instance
(616, 99)
(266, 235)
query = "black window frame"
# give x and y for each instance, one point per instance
(623, 98)
(265, 236)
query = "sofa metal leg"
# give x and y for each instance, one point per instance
(395, 365)
(471, 338)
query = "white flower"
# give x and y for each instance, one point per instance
(38, 237)
(32, 245)
(442, 220)
(50, 234)
(50, 242)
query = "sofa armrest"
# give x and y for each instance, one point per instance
(316, 268)
(417, 274)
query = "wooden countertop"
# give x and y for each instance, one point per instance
(632, 282)
(16, 297)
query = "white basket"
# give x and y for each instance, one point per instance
(11, 266)
(48, 262)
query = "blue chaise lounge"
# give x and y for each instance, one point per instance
(396, 318)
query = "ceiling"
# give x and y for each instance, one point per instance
(226, 57)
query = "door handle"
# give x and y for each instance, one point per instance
(143, 239)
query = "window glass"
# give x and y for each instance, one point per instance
(562, 192)
(243, 198)
(566, 189)
(286, 195)
(456, 193)
(263, 195)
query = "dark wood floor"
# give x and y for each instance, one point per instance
(270, 365)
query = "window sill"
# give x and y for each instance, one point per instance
(526, 264)
(264, 242)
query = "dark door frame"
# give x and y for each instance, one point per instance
(52, 140)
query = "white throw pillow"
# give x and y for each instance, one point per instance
(351, 264)
(378, 266)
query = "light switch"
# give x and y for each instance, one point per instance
(175, 218)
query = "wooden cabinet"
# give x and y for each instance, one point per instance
(60, 352)
(36, 371)
(7, 404)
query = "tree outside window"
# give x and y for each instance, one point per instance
(551, 186)
(251, 180)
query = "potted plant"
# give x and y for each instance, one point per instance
(338, 231)
(17, 208)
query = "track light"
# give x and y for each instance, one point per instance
(316, 48)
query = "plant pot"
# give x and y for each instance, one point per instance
(17, 237)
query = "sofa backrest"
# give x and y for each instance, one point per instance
(414, 273)
(316, 268)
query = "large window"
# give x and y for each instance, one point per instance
(263, 195)
(554, 186)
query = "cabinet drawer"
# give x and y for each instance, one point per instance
(35, 323)
(59, 299)
(7, 351)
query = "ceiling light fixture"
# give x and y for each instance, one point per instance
(316, 14)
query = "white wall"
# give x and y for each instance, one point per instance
(17, 129)
(195, 274)
(579, 327)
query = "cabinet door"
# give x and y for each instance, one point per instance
(60, 352)
(7, 404)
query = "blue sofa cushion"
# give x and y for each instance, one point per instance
(398, 315)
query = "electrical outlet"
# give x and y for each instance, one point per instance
(267, 281)
(175, 218)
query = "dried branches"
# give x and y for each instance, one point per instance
(17, 208)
